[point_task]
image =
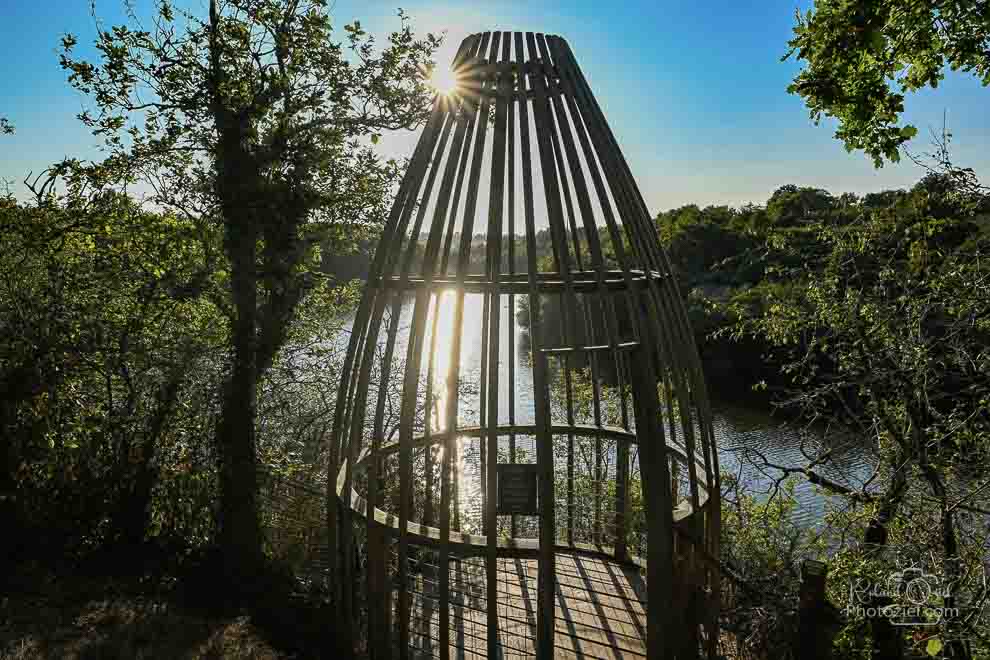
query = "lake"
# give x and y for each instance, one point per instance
(740, 431)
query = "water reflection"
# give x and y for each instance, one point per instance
(741, 433)
(744, 436)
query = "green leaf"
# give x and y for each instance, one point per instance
(876, 41)
(934, 646)
(909, 132)
(847, 59)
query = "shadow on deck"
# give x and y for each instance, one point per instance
(599, 614)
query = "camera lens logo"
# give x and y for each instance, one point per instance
(913, 591)
(913, 585)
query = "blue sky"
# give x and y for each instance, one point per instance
(695, 92)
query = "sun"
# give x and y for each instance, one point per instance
(444, 81)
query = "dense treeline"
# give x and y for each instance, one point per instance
(732, 259)
(730, 262)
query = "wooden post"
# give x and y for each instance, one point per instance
(621, 501)
(494, 309)
(659, 513)
(547, 577)
(379, 637)
(816, 616)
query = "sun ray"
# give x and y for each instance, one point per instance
(445, 81)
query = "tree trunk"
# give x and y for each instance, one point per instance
(950, 545)
(134, 511)
(240, 531)
(237, 186)
(888, 642)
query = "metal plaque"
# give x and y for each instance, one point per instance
(517, 489)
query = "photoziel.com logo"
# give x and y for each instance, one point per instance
(907, 597)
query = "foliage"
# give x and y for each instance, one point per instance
(253, 118)
(108, 334)
(298, 394)
(867, 315)
(880, 326)
(704, 244)
(761, 551)
(888, 288)
(861, 58)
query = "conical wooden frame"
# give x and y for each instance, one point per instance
(517, 191)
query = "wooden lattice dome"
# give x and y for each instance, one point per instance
(521, 391)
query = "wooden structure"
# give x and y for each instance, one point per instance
(518, 199)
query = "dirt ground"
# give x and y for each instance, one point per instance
(83, 618)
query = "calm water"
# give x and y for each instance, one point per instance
(742, 433)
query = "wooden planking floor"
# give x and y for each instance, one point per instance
(599, 610)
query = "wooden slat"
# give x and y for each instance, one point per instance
(484, 376)
(545, 609)
(349, 375)
(656, 495)
(413, 360)
(544, 285)
(555, 216)
(494, 264)
(356, 395)
(645, 392)
(428, 466)
(380, 647)
(459, 159)
(410, 386)
(472, 199)
(511, 249)
(626, 345)
(674, 310)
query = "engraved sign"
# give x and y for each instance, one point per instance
(517, 488)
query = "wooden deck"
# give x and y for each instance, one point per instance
(599, 610)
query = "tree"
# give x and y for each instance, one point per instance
(862, 57)
(701, 242)
(792, 205)
(253, 117)
(884, 335)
